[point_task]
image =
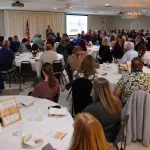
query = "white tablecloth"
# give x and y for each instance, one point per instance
(35, 64)
(113, 76)
(93, 50)
(40, 128)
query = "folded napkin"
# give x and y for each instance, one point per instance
(55, 111)
(31, 140)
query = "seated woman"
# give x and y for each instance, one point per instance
(142, 53)
(49, 87)
(15, 44)
(88, 134)
(48, 55)
(104, 51)
(106, 108)
(84, 51)
(112, 41)
(117, 51)
(73, 60)
(87, 68)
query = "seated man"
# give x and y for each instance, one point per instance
(6, 55)
(23, 47)
(39, 41)
(135, 81)
(129, 55)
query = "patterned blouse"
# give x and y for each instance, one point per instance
(134, 81)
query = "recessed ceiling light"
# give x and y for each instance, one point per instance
(55, 8)
(106, 4)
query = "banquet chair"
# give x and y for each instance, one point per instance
(58, 70)
(121, 137)
(81, 98)
(27, 72)
(6, 72)
(138, 126)
(56, 98)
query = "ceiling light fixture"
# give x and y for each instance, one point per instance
(134, 15)
(55, 8)
(106, 4)
(144, 10)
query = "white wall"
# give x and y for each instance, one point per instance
(116, 22)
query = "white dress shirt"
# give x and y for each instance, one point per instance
(128, 56)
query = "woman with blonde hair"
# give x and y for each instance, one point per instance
(117, 51)
(15, 45)
(15, 38)
(87, 68)
(73, 60)
(104, 52)
(88, 134)
(106, 108)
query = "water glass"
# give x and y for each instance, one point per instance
(107, 62)
(19, 130)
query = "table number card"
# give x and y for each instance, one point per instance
(9, 112)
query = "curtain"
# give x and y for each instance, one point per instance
(15, 23)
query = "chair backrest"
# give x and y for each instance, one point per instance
(138, 108)
(57, 67)
(56, 98)
(122, 129)
(81, 90)
(26, 67)
(2, 67)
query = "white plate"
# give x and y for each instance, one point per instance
(33, 147)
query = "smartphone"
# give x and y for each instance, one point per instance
(48, 147)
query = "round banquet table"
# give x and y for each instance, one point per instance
(39, 128)
(112, 73)
(93, 50)
(35, 64)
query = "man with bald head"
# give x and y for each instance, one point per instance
(129, 55)
(134, 81)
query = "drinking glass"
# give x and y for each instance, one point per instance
(19, 130)
(107, 63)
